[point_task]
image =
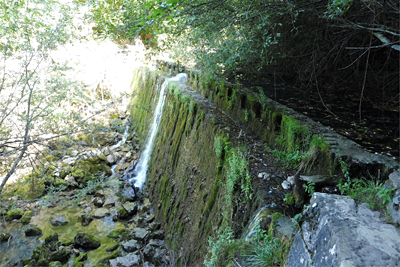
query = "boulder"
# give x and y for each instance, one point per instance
(26, 218)
(101, 213)
(60, 255)
(140, 234)
(14, 214)
(338, 232)
(33, 231)
(58, 220)
(130, 260)
(4, 237)
(86, 241)
(98, 201)
(131, 208)
(131, 246)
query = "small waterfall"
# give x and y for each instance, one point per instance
(141, 168)
(255, 222)
(123, 140)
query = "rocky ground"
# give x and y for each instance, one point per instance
(90, 217)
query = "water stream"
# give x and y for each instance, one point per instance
(142, 166)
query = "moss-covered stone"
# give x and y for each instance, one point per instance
(14, 214)
(87, 241)
(4, 236)
(33, 231)
(26, 218)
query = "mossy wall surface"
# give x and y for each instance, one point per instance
(145, 92)
(186, 180)
(279, 128)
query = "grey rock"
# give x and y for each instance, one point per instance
(98, 201)
(148, 264)
(70, 179)
(131, 208)
(110, 202)
(158, 234)
(130, 260)
(101, 213)
(338, 232)
(140, 234)
(148, 252)
(285, 226)
(156, 243)
(317, 179)
(58, 221)
(286, 185)
(128, 192)
(131, 246)
(158, 255)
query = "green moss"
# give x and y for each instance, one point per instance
(26, 218)
(82, 257)
(14, 214)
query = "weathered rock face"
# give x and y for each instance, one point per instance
(338, 232)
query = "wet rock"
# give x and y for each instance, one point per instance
(158, 234)
(58, 220)
(130, 260)
(149, 219)
(148, 252)
(26, 218)
(118, 232)
(60, 255)
(286, 185)
(87, 241)
(99, 193)
(122, 214)
(140, 234)
(154, 226)
(4, 237)
(110, 202)
(338, 232)
(98, 202)
(128, 193)
(157, 243)
(51, 238)
(14, 214)
(131, 208)
(111, 159)
(394, 206)
(70, 179)
(317, 179)
(33, 231)
(86, 218)
(158, 255)
(131, 246)
(101, 213)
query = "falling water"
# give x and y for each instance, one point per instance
(141, 167)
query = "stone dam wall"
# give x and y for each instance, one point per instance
(189, 173)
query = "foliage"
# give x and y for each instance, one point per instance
(367, 191)
(237, 172)
(266, 250)
(309, 188)
(217, 247)
(263, 249)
